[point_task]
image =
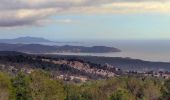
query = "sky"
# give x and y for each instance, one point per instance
(85, 19)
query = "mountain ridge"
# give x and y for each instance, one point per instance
(26, 39)
(39, 48)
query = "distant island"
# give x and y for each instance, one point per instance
(25, 40)
(33, 40)
(39, 48)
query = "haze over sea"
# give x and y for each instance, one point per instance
(149, 50)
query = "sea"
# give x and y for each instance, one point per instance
(148, 50)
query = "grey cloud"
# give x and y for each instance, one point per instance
(12, 7)
(15, 23)
(20, 4)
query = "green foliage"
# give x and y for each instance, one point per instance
(92, 92)
(6, 91)
(73, 92)
(151, 91)
(21, 86)
(45, 88)
(166, 90)
(40, 85)
(135, 86)
(122, 94)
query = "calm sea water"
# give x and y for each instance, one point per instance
(150, 50)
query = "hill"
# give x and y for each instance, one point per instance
(25, 40)
(122, 63)
(38, 48)
(13, 62)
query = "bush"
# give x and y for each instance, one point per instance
(122, 94)
(166, 90)
(6, 90)
(45, 88)
(21, 86)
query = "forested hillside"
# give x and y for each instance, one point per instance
(40, 85)
(35, 77)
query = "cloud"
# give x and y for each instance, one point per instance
(44, 22)
(33, 12)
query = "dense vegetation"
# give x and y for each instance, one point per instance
(40, 85)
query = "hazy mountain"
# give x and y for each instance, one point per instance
(25, 40)
(38, 48)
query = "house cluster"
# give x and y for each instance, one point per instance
(158, 74)
(77, 79)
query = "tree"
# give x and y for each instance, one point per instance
(166, 90)
(21, 86)
(43, 87)
(73, 92)
(121, 94)
(6, 92)
(151, 91)
(135, 85)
